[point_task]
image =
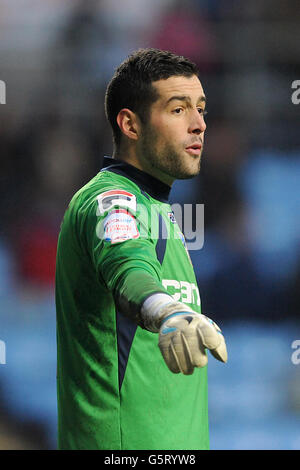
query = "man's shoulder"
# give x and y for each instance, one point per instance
(105, 190)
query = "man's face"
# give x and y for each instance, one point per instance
(171, 142)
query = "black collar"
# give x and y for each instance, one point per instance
(154, 187)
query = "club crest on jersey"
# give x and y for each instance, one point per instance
(172, 217)
(113, 198)
(120, 226)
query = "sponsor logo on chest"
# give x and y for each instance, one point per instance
(182, 291)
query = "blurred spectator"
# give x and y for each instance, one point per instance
(292, 295)
(225, 151)
(60, 159)
(182, 29)
(9, 179)
(17, 436)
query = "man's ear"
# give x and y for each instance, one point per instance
(129, 123)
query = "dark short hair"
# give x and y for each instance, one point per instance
(131, 84)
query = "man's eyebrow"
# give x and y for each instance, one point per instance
(201, 99)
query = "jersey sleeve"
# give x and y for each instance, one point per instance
(123, 253)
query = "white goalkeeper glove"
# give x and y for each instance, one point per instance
(184, 335)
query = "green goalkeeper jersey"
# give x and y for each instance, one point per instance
(119, 243)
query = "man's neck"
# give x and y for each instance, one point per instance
(132, 159)
(151, 185)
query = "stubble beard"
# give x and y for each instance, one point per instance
(167, 159)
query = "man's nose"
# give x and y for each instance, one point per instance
(197, 125)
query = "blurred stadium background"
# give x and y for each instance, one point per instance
(56, 57)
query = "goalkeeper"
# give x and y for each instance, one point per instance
(131, 339)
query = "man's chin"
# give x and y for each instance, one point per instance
(188, 173)
(187, 176)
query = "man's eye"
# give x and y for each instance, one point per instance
(177, 110)
(202, 111)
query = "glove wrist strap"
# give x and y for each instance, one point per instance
(158, 306)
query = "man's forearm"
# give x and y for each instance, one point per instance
(131, 291)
